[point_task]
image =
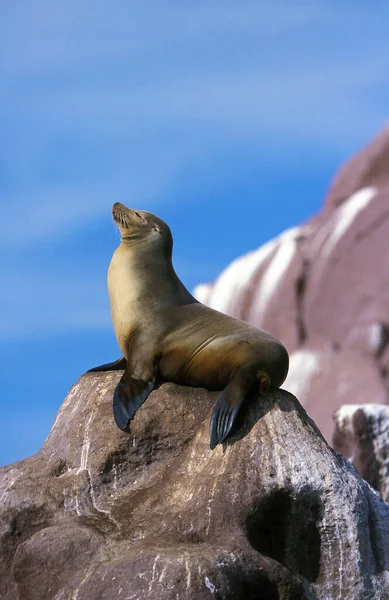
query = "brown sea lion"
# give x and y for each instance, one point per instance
(165, 333)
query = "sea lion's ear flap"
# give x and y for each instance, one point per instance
(117, 365)
(129, 395)
(225, 412)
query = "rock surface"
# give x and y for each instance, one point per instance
(323, 289)
(154, 514)
(362, 434)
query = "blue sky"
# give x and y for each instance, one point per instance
(227, 119)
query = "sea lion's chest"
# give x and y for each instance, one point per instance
(125, 299)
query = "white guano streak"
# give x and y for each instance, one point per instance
(202, 292)
(210, 586)
(237, 276)
(303, 366)
(346, 215)
(287, 244)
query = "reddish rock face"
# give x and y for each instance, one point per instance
(323, 289)
(369, 167)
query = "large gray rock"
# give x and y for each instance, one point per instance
(154, 514)
(362, 435)
(323, 289)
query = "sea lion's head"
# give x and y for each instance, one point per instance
(141, 226)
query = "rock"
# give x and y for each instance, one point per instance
(323, 289)
(368, 168)
(362, 434)
(102, 514)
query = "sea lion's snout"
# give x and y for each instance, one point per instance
(120, 215)
(126, 216)
(135, 225)
(119, 207)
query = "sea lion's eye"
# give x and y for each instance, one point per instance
(138, 215)
(157, 229)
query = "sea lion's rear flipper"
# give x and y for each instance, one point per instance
(226, 409)
(118, 365)
(129, 395)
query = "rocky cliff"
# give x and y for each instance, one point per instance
(323, 289)
(103, 514)
(362, 435)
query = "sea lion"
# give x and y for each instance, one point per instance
(164, 333)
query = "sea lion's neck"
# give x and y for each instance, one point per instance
(143, 258)
(147, 273)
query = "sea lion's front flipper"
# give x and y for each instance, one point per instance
(227, 408)
(118, 365)
(129, 395)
